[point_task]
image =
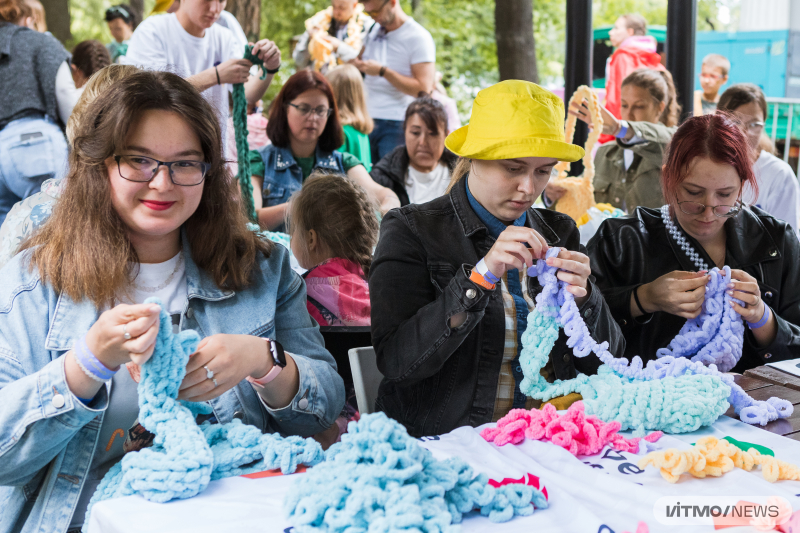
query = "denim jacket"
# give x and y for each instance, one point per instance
(284, 177)
(48, 437)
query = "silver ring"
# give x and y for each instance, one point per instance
(125, 334)
(209, 373)
(214, 381)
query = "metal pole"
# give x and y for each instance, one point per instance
(578, 64)
(788, 143)
(775, 110)
(681, 30)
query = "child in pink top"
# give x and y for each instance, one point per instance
(334, 230)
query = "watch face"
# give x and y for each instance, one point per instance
(278, 354)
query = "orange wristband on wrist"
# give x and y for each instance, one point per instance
(478, 279)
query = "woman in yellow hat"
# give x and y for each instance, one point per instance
(449, 290)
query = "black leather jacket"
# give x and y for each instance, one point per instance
(628, 252)
(392, 170)
(438, 378)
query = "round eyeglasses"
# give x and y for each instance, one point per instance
(139, 168)
(721, 211)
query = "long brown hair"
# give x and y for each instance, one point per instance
(348, 91)
(341, 213)
(278, 126)
(83, 250)
(661, 88)
(90, 56)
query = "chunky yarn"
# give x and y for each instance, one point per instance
(380, 479)
(673, 393)
(574, 431)
(712, 457)
(240, 129)
(184, 456)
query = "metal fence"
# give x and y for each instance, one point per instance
(780, 123)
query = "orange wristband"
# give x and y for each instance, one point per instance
(478, 279)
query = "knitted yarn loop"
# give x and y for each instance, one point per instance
(674, 394)
(240, 129)
(184, 456)
(380, 479)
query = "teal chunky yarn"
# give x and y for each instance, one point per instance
(240, 129)
(674, 394)
(184, 456)
(379, 479)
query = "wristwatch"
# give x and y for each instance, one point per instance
(279, 362)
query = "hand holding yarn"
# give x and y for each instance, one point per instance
(234, 71)
(106, 338)
(268, 52)
(574, 269)
(510, 251)
(744, 287)
(231, 358)
(610, 123)
(676, 293)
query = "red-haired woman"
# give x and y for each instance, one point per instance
(305, 132)
(652, 267)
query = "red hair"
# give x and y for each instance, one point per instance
(717, 137)
(300, 82)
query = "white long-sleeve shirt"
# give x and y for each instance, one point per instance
(778, 190)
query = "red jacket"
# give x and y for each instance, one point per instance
(634, 52)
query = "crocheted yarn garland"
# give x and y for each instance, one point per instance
(574, 431)
(380, 479)
(671, 394)
(184, 456)
(240, 129)
(712, 457)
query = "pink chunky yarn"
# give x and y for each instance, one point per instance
(574, 431)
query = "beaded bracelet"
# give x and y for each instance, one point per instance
(91, 365)
(763, 321)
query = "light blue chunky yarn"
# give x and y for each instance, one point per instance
(378, 479)
(184, 456)
(673, 393)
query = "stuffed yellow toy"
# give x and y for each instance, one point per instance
(580, 190)
(712, 457)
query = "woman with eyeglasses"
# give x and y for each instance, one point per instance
(148, 210)
(778, 189)
(306, 133)
(652, 267)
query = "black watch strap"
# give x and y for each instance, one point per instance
(277, 353)
(268, 71)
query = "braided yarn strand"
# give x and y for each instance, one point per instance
(240, 129)
(673, 393)
(380, 479)
(185, 457)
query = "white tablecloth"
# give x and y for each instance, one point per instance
(604, 493)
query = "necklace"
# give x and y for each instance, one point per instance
(681, 240)
(166, 281)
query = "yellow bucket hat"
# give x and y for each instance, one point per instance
(512, 119)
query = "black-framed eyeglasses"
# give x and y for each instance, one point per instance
(372, 14)
(321, 111)
(141, 169)
(721, 211)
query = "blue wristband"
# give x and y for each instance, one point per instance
(623, 129)
(91, 365)
(484, 271)
(763, 321)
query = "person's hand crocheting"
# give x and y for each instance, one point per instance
(232, 358)
(510, 251)
(677, 293)
(268, 52)
(574, 268)
(234, 71)
(106, 338)
(744, 287)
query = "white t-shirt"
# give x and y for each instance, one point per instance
(778, 189)
(408, 45)
(161, 43)
(228, 20)
(123, 408)
(425, 186)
